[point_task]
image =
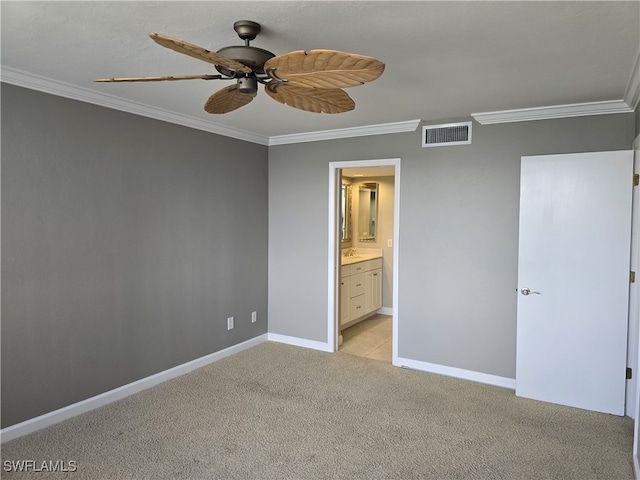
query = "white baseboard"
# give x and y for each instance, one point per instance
(479, 377)
(298, 342)
(636, 467)
(51, 418)
(385, 311)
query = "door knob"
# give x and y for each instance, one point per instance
(525, 291)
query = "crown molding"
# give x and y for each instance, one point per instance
(626, 105)
(557, 111)
(632, 93)
(63, 89)
(35, 82)
(42, 84)
(380, 129)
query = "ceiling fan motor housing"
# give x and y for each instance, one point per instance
(252, 57)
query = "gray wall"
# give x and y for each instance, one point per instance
(458, 234)
(126, 243)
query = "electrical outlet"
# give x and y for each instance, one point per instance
(390, 243)
(254, 317)
(230, 323)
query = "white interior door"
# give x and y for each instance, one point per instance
(573, 279)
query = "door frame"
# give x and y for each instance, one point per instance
(633, 355)
(333, 260)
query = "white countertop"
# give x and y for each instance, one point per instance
(359, 257)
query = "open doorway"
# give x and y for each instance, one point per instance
(363, 257)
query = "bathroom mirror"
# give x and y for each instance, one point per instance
(367, 212)
(345, 213)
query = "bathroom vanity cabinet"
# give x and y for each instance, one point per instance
(360, 291)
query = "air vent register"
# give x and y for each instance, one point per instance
(448, 134)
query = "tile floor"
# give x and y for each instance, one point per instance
(371, 338)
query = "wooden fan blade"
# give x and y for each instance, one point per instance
(227, 100)
(160, 79)
(316, 100)
(200, 53)
(324, 69)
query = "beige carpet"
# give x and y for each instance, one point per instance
(282, 412)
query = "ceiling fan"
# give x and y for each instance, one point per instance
(310, 81)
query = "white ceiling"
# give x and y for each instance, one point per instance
(443, 59)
